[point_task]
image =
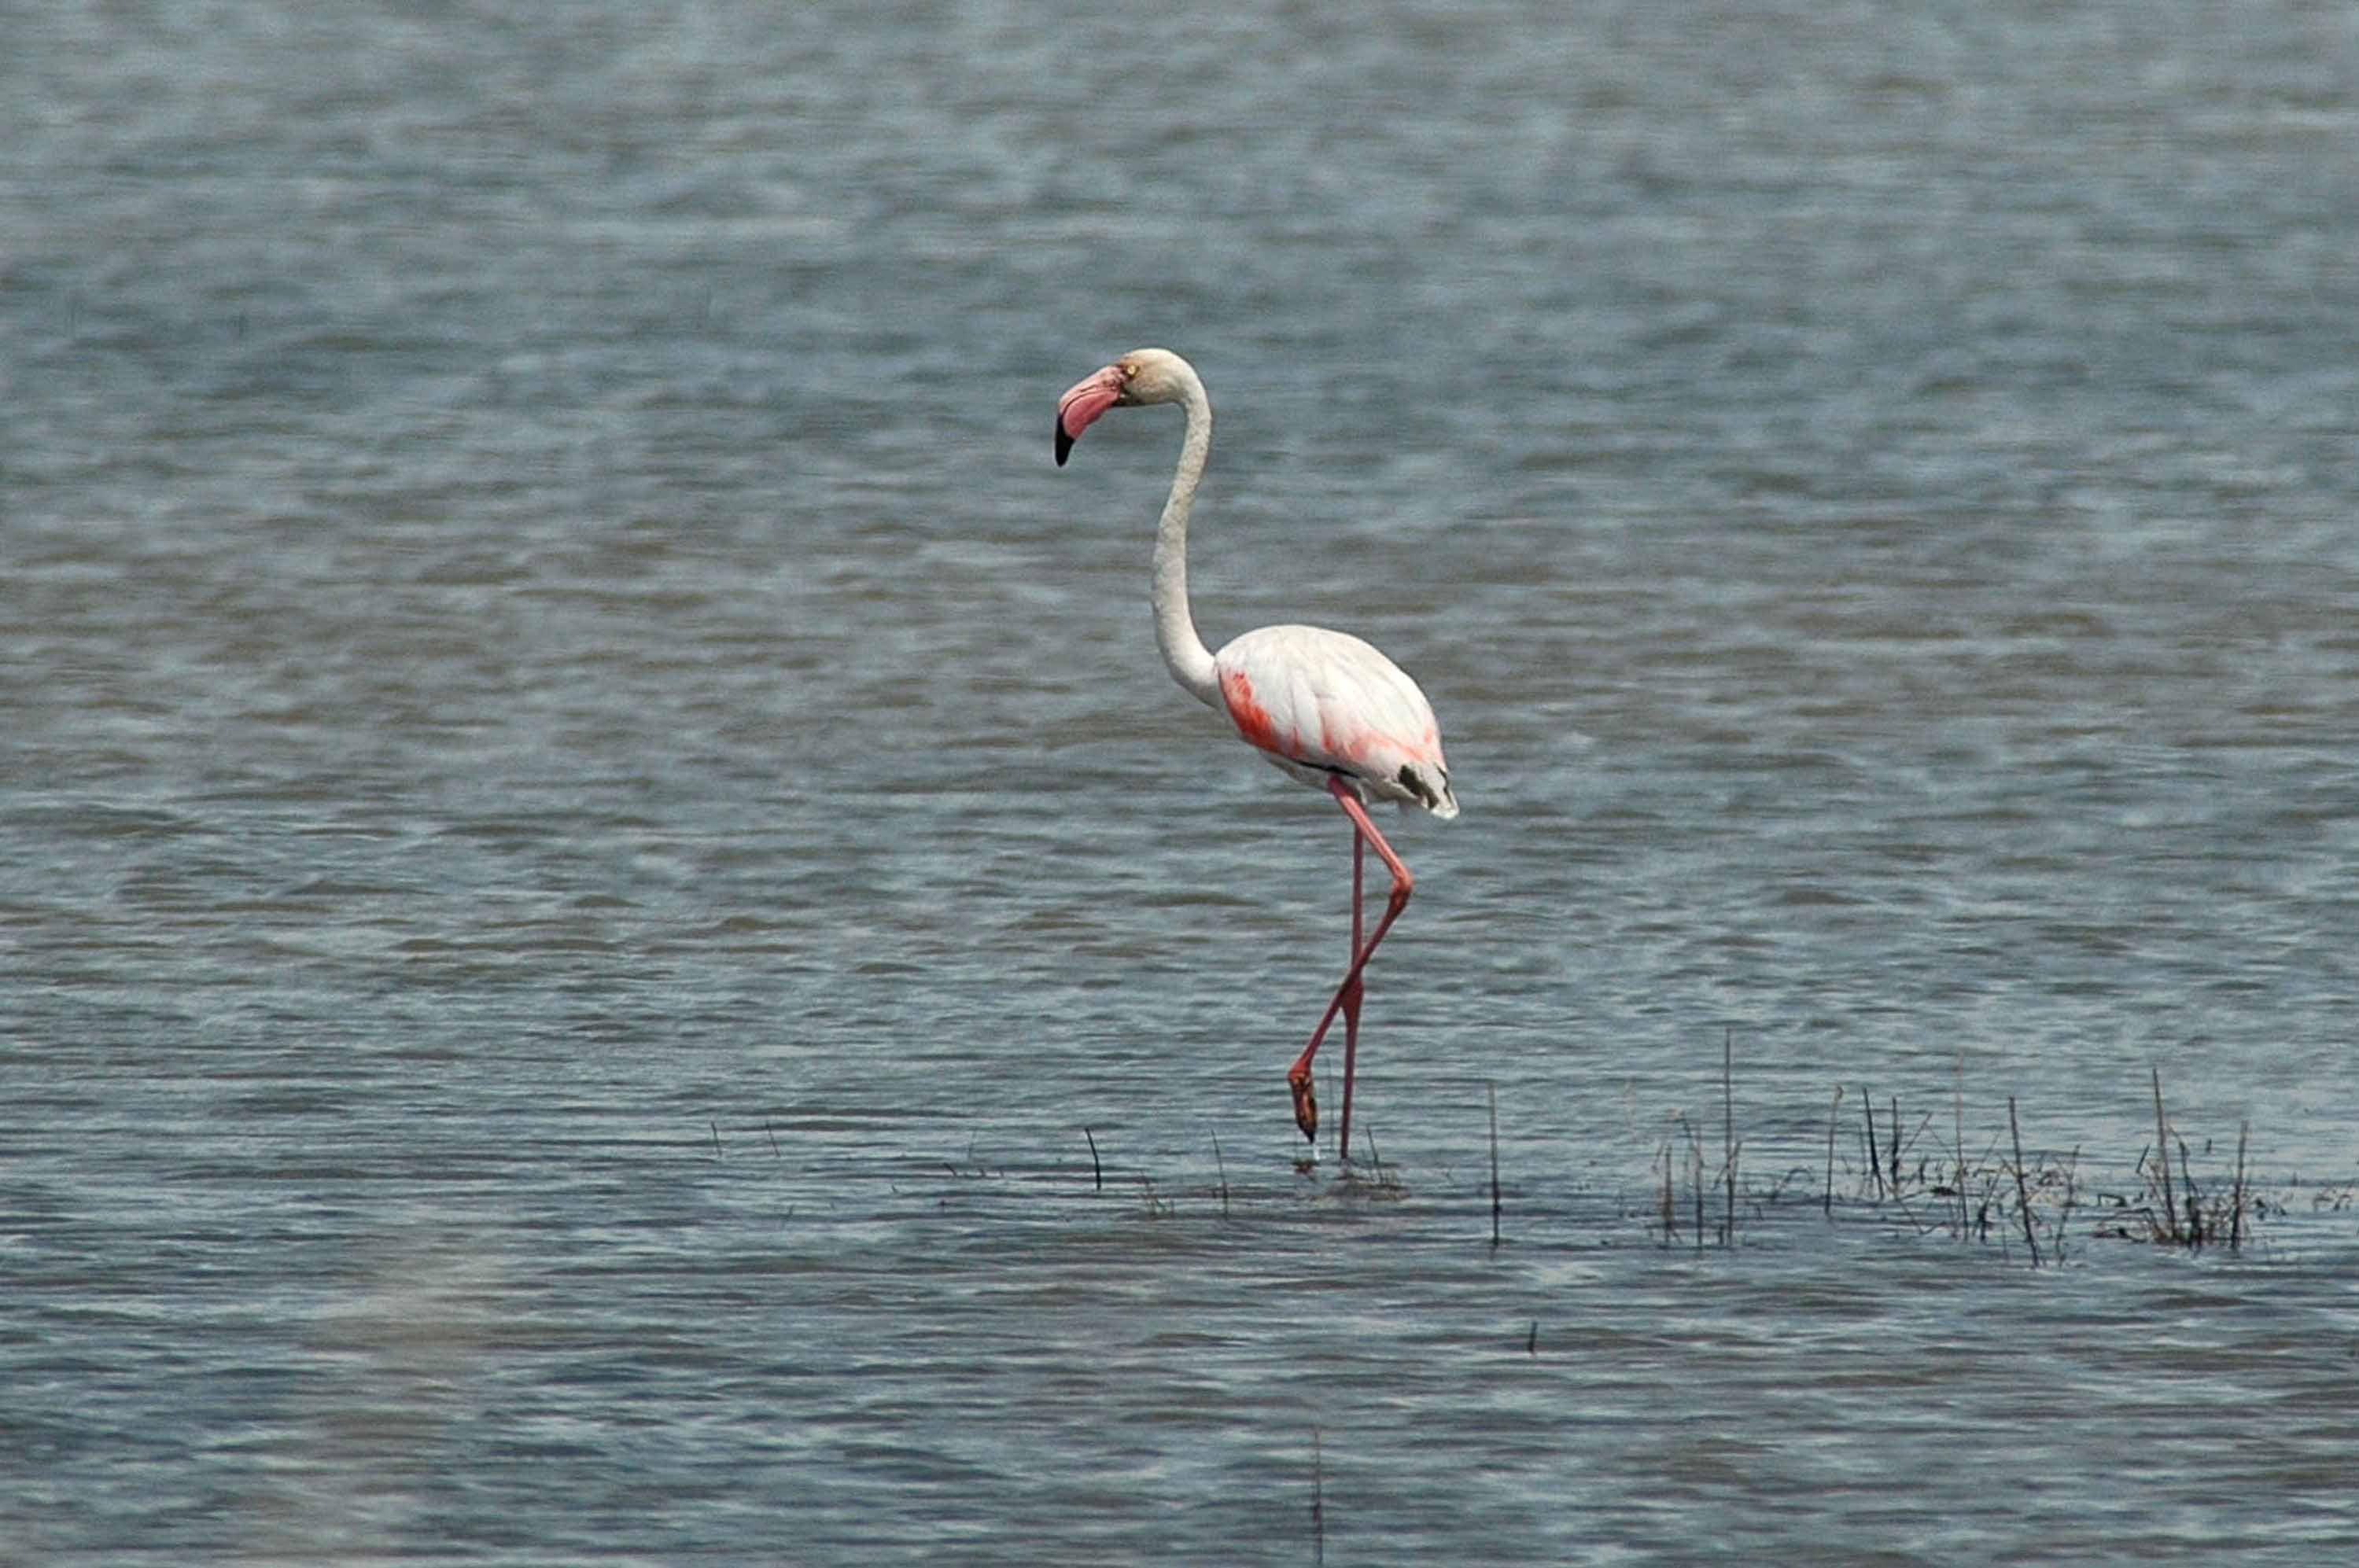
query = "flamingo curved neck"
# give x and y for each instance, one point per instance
(1184, 653)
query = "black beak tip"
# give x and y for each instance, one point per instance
(1064, 444)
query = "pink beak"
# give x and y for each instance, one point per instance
(1083, 403)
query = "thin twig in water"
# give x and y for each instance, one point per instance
(1833, 1110)
(1670, 1203)
(1895, 1130)
(1223, 1165)
(1317, 1498)
(1958, 1142)
(2064, 1210)
(2236, 1212)
(2022, 1197)
(1097, 1172)
(1875, 1163)
(2162, 1154)
(1728, 1131)
(1695, 1181)
(716, 1138)
(1493, 1090)
(2195, 1199)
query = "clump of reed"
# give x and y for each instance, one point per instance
(2177, 1210)
(1687, 1139)
(1997, 1194)
(1893, 1159)
(1952, 1186)
(1922, 1167)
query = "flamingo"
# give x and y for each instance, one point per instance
(1322, 707)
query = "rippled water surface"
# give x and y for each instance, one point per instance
(616, 947)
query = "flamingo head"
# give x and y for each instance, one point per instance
(1139, 378)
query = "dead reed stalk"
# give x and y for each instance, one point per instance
(2236, 1214)
(1695, 1180)
(1728, 1133)
(1828, 1205)
(1318, 1499)
(2022, 1196)
(1493, 1090)
(1958, 1139)
(1893, 1129)
(2162, 1154)
(2195, 1225)
(1670, 1214)
(1875, 1165)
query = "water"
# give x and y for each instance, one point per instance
(588, 821)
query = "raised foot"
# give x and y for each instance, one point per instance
(1306, 1104)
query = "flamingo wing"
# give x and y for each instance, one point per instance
(1323, 705)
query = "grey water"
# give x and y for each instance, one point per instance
(615, 947)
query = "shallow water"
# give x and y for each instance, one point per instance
(589, 821)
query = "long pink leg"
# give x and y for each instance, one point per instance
(1352, 988)
(1350, 1000)
(1298, 1077)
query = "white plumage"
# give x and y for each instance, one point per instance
(1317, 703)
